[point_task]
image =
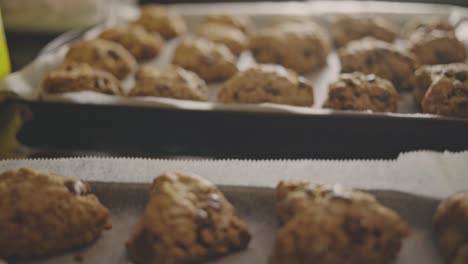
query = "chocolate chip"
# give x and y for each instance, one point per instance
(77, 187)
(114, 55)
(271, 90)
(307, 52)
(461, 76)
(356, 231)
(163, 90)
(19, 218)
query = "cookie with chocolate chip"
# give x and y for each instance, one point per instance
(372, 56)
(451, 225)
(169, 81)
(346, 28)
(327, 224)
(104, 55)
(267, 84)
(155, 18)
(44, 213)
(358, 91)
(211, 61)
(300, 46)
(75, 77)
(443, 89)
(232, 37)
(187, 220)
(243, 23)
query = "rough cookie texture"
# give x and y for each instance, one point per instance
(300, 46)
(242, 23)
(155, 18)
(443, 89)
(451, 225)
(232, 37)
(267, 83)
(76, 77)
(187, 220)
(347, 28)
(44, 213)
(358, 91)
(169, 81)
(211, 61)
(372, 56)
(141, 44)
(326, 224)
(426, 24)
(103, 54)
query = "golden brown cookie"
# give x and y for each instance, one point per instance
(358, 91)
(240, 22)
(329, 225)
(267, 84)
(451, 225)
(156, 18)
(187, 220)
(346, 28)
(103, 54)
(141, 44)
(300, 46)
(444, 89)
(232, 37)
(169, 81)
(211, 61)
(43, 214)
(77, 77)
(372, 56)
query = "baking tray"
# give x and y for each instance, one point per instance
(264, 130)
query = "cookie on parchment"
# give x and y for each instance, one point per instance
(104, 55)
(169, 81)
(358, 91)
(75, 77)
(211, 61)
(243, 23)
(43, 214)
(232, 37)
(267, 84)
(155, 18)
(187, 220)
(141, 44)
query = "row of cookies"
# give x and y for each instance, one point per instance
(189, 220)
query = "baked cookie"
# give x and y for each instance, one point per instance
(329, 225)
(372, 56)
(347, 28)
(141, 44)
(451, 225)
(211, 61)
(155, 18)
(300, 46)
(187, 220)
(232, 37)
(358, 91)
(103, 54)
(267, 84)
(45, 213)
(240, 22)
(444, 89)
(76, 77)
(169, 81)
(426, 24)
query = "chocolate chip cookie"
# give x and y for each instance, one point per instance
(240, 22)
(76, 77)
(211, 61)
(141, 44)
(372, 56)
(44, 214)
(347, 28)
(169, 81)
(267, 84)
(358, 91)
(328, 225)
(300, 46)
(187, 220)
(232, 37)
(451, 225)
(155, 18)
(443, 89)
(104, 55)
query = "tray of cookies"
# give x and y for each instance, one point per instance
(95, 210)
(316, 58)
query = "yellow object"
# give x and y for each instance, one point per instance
(4, 57)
